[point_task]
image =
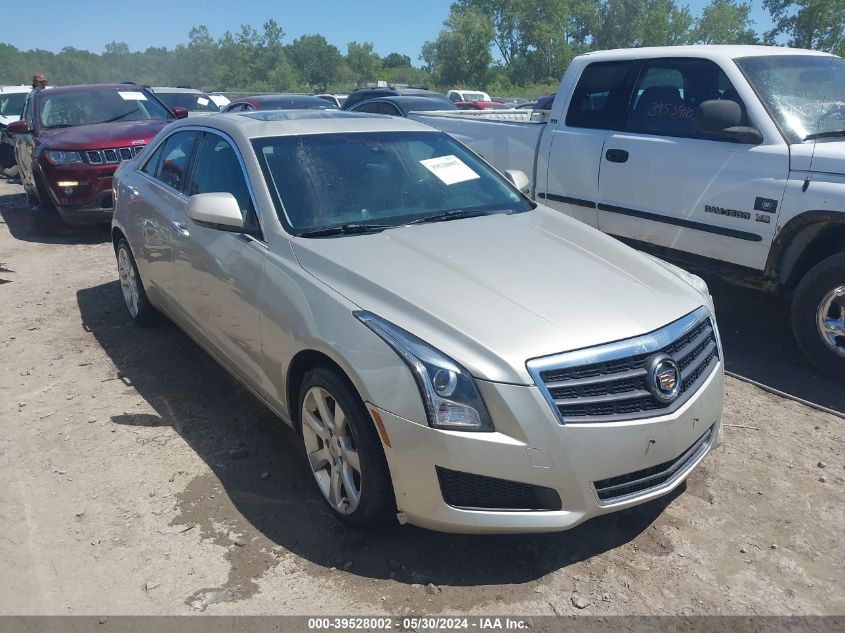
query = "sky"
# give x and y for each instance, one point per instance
(400, 26)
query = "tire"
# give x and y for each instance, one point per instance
(134, 295)
(44, 200)
(822, 290)
(328, 450)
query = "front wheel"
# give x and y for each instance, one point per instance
(818, 315)
(344, 452)
(134, 295)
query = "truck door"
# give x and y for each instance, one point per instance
(663, 182)
(574, 154)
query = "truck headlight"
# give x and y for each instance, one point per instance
(59, 157)
(451, 398)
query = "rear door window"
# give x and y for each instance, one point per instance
(600, 97)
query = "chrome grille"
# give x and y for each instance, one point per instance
(112, 155)
(608, 383)
(641, 482)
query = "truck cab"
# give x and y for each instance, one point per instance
(732, 157)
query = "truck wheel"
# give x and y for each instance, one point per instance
(818, 315)
(344, 452)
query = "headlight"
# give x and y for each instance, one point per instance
(449, 392)
(58, 157)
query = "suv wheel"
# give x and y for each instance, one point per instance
(134, 295)
(818, 315)
(344, 452)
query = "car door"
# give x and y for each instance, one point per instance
(663, 182)
(574, 157)
(25, 143)
(155, 199)
(218, 272)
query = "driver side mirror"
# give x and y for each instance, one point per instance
(721, 118)
(218, 210)
(18, 127)
(180, 113)
(519, 180)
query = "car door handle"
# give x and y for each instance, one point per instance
(181, 229)
(616, 155)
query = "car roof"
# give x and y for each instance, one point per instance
(15, 89)
(169, 89)
(266, 123)
(92, 87)
(715, 52)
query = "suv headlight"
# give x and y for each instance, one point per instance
(449, 392)
(59, 157)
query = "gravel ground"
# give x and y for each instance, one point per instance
(139, 478)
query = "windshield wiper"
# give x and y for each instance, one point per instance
(117, 118)
(347, 229)
(455, 214)
(828, 134)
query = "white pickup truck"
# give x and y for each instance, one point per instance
(727, 156)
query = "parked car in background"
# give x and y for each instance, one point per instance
(468, 95)
(71, 140)
(365, 277)
(402, 106)
(196, 102)
(481, 105)
(11, 105)
(728, 158)
(337, 99)
(279, 102)
(219, 99)
(365, 94)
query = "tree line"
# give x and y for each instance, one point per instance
(504, 46)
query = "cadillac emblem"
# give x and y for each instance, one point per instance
(663, 378)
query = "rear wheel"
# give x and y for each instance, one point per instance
(134, 295)
(818, 315)
(344, 452)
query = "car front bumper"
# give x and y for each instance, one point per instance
(90, 200)
(531, 446)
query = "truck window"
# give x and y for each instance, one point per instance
(600, 98)
(668, 92)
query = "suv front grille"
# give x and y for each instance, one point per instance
(111, 156)
(477, 492)
(608, 383)
(616, 489)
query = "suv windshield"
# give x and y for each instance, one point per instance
(805, 94)
(11, 104)
(191, 101)
(88, 107)
(378, 179)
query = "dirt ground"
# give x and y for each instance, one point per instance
(139, 478)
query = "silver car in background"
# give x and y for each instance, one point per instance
(451, 353)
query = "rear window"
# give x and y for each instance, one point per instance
(600, 98)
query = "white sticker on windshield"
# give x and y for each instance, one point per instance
(132, 95)
(202, 101)
(449, 169)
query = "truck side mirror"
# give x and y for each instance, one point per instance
(722, 118)
(18, 127)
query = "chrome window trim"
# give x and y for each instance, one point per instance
(644, 344)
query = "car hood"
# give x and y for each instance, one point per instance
(5, 120)
(103, 135)
(493, 292)
(829, 157)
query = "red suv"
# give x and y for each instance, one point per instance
(71, 140)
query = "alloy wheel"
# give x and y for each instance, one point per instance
(128, 281)
(831, 320)
(332, 451)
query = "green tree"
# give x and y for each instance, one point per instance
(625, 23)
(316, 60)
(362, 60)
(725, 22)
(395, 60)
(461, 52)
(815, 24)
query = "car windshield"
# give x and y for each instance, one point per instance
(475, 96)
(323, 181)
(805, 94)
(88, 107)
(191, 101)
(11, 104)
